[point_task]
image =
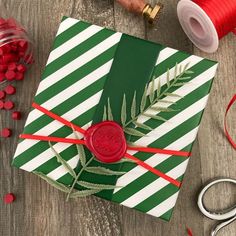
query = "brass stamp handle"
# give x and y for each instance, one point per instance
(141, 7)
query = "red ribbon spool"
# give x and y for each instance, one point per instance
(206, 22)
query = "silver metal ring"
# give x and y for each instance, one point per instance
(224, 215)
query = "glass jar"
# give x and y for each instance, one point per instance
(15, 50)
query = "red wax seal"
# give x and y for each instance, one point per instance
(106, 140)
(9, 198)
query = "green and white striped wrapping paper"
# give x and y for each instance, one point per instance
(71, 87)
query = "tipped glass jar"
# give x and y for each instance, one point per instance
(15, 50)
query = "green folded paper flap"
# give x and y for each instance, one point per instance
(132, 68)
(74, 87)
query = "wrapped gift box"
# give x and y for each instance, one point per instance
(156, 93)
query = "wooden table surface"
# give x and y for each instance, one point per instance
(40, 210)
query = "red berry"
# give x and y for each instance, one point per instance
(12, 66)
(10, 75)
(16, 115)
(8, 105)
(19, 76)
(9, 198)
(1, 105)
(5, 133)
(21, 68)
(2, 94)
(10, 90)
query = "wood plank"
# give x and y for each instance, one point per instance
(42, 210)
(218, 158)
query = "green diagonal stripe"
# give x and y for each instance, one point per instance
(77, 51)
(158, 197)
(70, 33)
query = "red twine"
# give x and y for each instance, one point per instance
(82, 142)
(221, 13)
(232, 101)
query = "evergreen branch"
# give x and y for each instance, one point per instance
(109, 111)
(62, 161)
(84, 193)
(104, 117)
(123, 111)
(80, 150)
(100, 187)
(52, 182)
(160, 94)
(102, 171)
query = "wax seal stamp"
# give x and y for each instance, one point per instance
(106, 140)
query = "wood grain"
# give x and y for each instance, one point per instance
(41, 210)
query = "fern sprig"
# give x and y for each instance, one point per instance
(160, 94)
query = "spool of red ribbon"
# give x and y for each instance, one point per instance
(206, 22)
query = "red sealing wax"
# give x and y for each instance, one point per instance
(106, 140)
(2, 94)
(10, 90)
(5, 133)
(12, 66)
(21, 68)
(10, 75)
(2, 77)
(16, 115)
(3, 68)
(8, 105)
(19, 76)
(1, 105)
(9, 198)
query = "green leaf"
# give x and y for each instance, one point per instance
(103, 171)
(110, 116)
(172, 95)
(120, 161)
(152, 90)
(123, 111)
(124, 160)
(178, 84)
(168, 78)
(96, 186)
(186, 66)
(167, 101)
(84, 193)
(143, 126)
(104, 117)
(144, 100)
(134, 132)
(180, 69)
(52, 182)
(133, 107)
(162, 109)
(155, 117)
(62, 161)
(189, 72)
(159, 87)
(176, 70)
(80, 150)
